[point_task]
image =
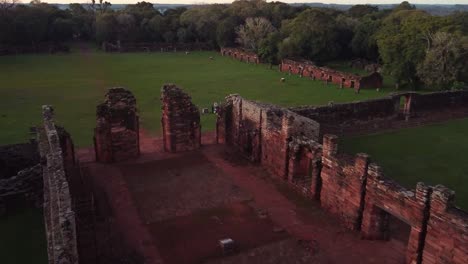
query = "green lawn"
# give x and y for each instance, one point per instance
(75, 83)
(434, 154)
(22, 238)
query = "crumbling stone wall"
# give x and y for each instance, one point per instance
(306, 68)
(16, 157)
(116, 136)
(261, 131)
(383, 197)
(392, 112)
(343, 183)
(27, 184)
(180, 120)
(447, 230)
(241, 55)
(350, 187)
(58, 212)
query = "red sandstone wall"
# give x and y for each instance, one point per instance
(349, 187)
(241, 55)
(447, 231)
(411, 206)
(180, 120)
(343, 183)
(116, 136)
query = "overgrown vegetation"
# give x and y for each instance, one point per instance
(416, 48)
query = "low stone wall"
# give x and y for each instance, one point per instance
(116, 136)
(392, 112)
(241, 55)
(180, 120)
(16, 157)
(58, 211)
(306, 68)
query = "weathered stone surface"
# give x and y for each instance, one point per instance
(286, 144)
(26, 184)
(116, 136)
(241, 55)
(309, 69)
(58, 211)
(16, 157)
(180, 120)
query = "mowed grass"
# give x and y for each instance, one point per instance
(75, 83)
(434, 154)
(22, 239)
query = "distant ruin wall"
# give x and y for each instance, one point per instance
(308, 69)
(180, 120)
(116, 136)
(241, 55)
(58, 213)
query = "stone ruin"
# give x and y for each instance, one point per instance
(180, 120)
(294, 145)
(305, 68)
(116, 136)
(241, 55)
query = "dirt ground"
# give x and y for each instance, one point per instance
(174, 208)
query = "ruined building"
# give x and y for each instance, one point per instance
(104, 211)
(116, 136)
(308, 69)
(241, 55)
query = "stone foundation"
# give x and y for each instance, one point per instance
(180, 120)
(116, 136)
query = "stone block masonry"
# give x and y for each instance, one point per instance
(58, 212)
(180, 120)
(286, 143)
(116, 136)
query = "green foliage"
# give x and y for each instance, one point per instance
(313, 34)
(358, 11)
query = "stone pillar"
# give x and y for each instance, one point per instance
(361, 164)
(116, 136)
(180, 120)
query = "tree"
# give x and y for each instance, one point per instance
(358, 11)
(445, 61)
(268, 48)
(226, 32)
(313, 34)
(253, 32)
(403, 40)
(126, 27)
(105, 27)
(364, 43)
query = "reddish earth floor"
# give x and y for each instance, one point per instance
(174, 208)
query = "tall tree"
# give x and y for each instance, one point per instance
(253, 32)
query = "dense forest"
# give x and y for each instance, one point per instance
(416, 48)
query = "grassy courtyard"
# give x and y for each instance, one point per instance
(434, 154)
(75, 83)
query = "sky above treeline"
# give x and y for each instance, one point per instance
(347, 2)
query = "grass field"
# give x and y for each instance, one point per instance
(22, 238)
(75, 83)
(434, 154)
